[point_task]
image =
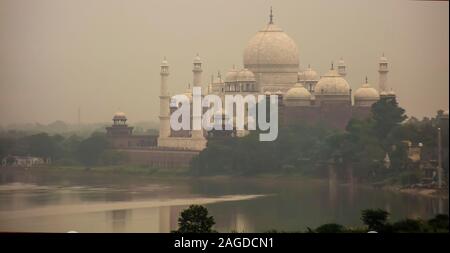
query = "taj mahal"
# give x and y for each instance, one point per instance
(270, 67)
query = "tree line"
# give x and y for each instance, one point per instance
(72, 150)
(311, 149)
(196, 219)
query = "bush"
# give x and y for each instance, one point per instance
(409, 226)
(195, 219)
(330, 228)
(375, 219)
(439, 223)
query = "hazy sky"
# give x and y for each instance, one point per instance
(104, 55)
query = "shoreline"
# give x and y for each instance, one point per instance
(183, 173)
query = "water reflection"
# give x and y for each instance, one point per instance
(88, 202)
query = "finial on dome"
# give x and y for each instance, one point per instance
(309, 66)
(271, 16)
(332, 65)
(218, 74)
(366, 80)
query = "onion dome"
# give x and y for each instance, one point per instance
(245, 75)
(164, 62)
(119, 116)
(332, 84)
(366, 92)
(309, 75)
(197, 59)
(298, 92)
(231, 76)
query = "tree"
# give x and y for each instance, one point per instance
(375, 219)
(409, 226)
(439, 223)
(330, 228)
(387, 115)
(195, 219)
(41, 145)
(90, 149)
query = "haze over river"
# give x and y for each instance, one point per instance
(48, 201)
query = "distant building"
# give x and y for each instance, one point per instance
(271, 66)
(121, 135)
(143, 149)
(24, 161)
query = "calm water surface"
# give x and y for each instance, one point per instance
(93, 202)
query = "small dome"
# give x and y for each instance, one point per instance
(366, 92)
(310, 75)
(391, 93)
(332, 84)
(267, 93)
(231, 75)
(197, 59)
(119, 116)
(383, 59)
(218, 80)
(298, 92)
(164, 63)
(279, 93)
(245, 75)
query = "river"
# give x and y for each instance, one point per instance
(48, 201)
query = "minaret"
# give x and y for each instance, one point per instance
(341, 67)
(164, 113)
(271, 16)
(383, 71)
(197, 82)
(197, 71)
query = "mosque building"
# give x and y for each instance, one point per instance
(271, 67)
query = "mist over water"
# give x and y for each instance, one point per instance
(89, 202)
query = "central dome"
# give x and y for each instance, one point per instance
(271, 47)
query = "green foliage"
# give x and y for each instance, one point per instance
(295, 151)
(304, 149)
(410, 226)
(195, 219)
(439, 223)
(90, 149)
(43, 145)
(330, 228)
(375, 219)
(387, 116)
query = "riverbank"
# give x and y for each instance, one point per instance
(184, 173)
